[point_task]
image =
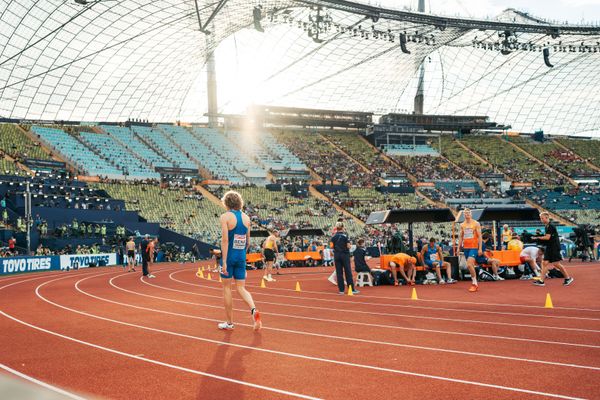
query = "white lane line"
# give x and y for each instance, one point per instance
(447, 301)
(326, 336)
(151, 361)
(334, 321)
(388, 314)
(29, 278)
(301, 356)
(145, 359)
(424, 308)
(40, 383)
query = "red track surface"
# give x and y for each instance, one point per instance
(111, 334)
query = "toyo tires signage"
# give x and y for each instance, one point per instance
(17, 265)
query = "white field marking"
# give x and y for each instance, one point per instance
(473, 321)
(379, 343)
(33, 278)
(44, 274)
(145, 359)
(163, 364)
(40, 383)
(421, 307)
(301, 356)
(333, 321)
(430, 300)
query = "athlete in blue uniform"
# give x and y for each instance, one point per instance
(433, 258)
(235, 239)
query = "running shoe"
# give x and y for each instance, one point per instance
(538, 282)
(498, 278)
(151, 276)
(568, 281)
(396, 283)
(225, 326)
(256, 319)
(341, 293)
(442, 282)
(474, 288)
(450, 281)
(355, 292)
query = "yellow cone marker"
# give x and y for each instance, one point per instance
(262, 283)
(200, 274)
(199, 270)
(298, 287)
(548, 301)
(350, 290)
(413, 295)
(209, 277)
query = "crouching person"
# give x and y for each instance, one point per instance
(406, 266)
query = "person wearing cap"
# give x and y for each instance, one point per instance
(341, 258)
(406, 265)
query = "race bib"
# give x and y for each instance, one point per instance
(434, 257)
(239, 242)
(469, 233)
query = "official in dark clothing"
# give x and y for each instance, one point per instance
(360, 264)
(144, 252)
(552, 256)
(341, 258)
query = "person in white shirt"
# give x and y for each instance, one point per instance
(327, 256)
(531, 256)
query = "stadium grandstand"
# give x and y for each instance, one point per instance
(366, 144)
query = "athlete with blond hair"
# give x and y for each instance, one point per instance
(235, 239)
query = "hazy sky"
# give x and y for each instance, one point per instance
(574, 11)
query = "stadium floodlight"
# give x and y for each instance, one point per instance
(257, 16)
(403, 43)
(547, 58)
(86, 2)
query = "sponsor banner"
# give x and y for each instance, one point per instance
(84, 260)
(15, 265)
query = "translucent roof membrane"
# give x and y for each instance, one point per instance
(112, 60)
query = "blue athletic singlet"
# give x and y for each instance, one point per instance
(431, 256)
(236, 251)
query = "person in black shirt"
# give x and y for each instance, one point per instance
(145, 257)
(341, 258)
(552, 256)
(360, 264)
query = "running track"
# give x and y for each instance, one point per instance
(111, 334)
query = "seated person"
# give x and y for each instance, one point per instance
(531, 256)
(486, 259)
(433, 258)
(403, 262)
(515, 244)
(360, 257)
